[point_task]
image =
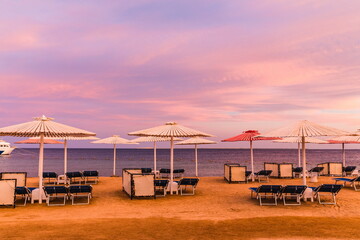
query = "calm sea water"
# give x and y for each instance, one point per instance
(211, 161)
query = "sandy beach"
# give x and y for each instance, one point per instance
(218, 210)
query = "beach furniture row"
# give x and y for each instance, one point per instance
(236, 173)
(13, 186)
(292, 194)
(137, 183)
(77, 177)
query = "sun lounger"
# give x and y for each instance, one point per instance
(266, 191)
(54, 192)
(292, 192)
(7, 192)
(187, 182)
(327, 190)
(50, 177)
(297, 172)
(164, 172)
(265, 174)
(146, 170)
(354, 182)
(316, 170)
(74, 177)
(348, 170)
(80, 191)
(24, 192)
(91, 176)
(161, 186)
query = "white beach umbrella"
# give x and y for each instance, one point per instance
(43, 127)
(171, 130)
(353, 138)
(154, 140)
(298, 140)
(195, 141)
(115, 139)
(305, 129)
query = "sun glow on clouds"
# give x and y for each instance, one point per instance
(255, 64)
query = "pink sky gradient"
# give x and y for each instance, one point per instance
(221, 67)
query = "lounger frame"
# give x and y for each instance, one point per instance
(293, 192)
(327, 190)
(354, 182)
(80, 191)
(55, 192)
(266, 191)
(188, 182)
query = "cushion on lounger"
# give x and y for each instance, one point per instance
(50, 175)
(164, 170)
(90, 173)
(80, 189)
(55, 189)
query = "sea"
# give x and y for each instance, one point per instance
(210, 161)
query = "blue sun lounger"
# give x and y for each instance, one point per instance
(161, 186)
(327, 190)
(188, 182)
(80, 191)
(91, 176)
(54, 192)
(353, 182)
(263, 174)
(348, 170)
(266, 191)
(291, 192)
(75, 177)
(51, 177)
(24, 192)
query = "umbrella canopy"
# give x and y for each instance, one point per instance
(37, 141)
(115, 139)
(250, 136)
(305, 129)
(195, 141)
(298, 141)
(154, 140)
(172, 130)
(43, 127)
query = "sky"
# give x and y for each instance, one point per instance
(222, 67)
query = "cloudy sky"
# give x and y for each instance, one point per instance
(221, 67)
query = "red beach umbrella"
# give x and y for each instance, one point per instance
(249, 136)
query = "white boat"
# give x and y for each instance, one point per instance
(5, 148)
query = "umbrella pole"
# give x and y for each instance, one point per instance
(41, 166)
(171, 163)
(154, 157)
(114, 170)
(65, 156)
(196, 161)
(299, 155)
(343, 154)
(303, 159)
(252, 161)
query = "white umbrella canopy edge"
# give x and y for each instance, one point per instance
(304, 129)
(114, 140)
(43, 127)
(172, 130)
(195, 141)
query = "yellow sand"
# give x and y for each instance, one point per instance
(218, 211)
